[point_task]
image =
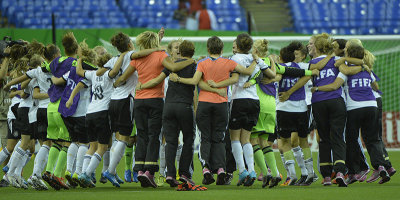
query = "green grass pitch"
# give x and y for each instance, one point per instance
(355, 191)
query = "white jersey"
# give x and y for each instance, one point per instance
(102, 87)
(44, 83)
(294, 106)
(128, 87)
(32, 114)
(28, 101)
(352, 104)
(14, 100)
(238, 91)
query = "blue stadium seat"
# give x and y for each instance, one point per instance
(173, 26)
(389, 30)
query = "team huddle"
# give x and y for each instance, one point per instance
(87, 106)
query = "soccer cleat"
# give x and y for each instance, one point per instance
(362, 175)
(134, 177)
(30, 182)
(260, 177)
(160, 181)
(383, 174)
(93, 177)
(327, 181)
(310, 179)
(207, 177)
(228, 178)
(243, 177)
(142, 179)
(68, 176)
(111, 178)
(49, 179)
(103, 179)
(374, 176)
(35, 182)
(266, 180)
(351, 179)
(76, 181)
(287, 181)
(86, 180)
(221, 177)
(5, 169)
(275, 181)
(13, 181)
(171, 181)
(22, 183)
(4, 183)
(150, 179)
(340, 180)
(292, 181)
(185, 179)
(251, 179)
(302, 180)
(128, 176)
(120, 181)
(391, 171)
(60, 182)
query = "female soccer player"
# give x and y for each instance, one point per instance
(361, 114)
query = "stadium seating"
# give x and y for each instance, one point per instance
(346, 16)
(107, 14)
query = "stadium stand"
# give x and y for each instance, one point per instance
(108, 14)
(346, 16)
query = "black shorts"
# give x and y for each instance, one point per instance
(76, 129)
(272, 137)
(98, 125)
(121, 115)
(12, 134)
(42, 124)
(22, 123)
(244, 114)
(35, 132)
(311, 121)
(289, 122)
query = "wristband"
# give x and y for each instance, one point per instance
(179, 78)
(316, 89)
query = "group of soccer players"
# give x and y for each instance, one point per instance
(87, 106)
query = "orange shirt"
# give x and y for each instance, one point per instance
(216, 70)
(150, 67)
(204, 20)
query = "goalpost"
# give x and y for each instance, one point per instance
(386, 48)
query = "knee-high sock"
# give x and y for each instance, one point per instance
(289, 157)
(298, 154)
(285, 165)
(269, 157)
(61, 162)
(86, 161)
(249, 156)
(308, 160)
(259, 159)
(12, 155)
(163, 163)
(25, 160)
(178, 154)
(18, 160)
(237, 152)
(106, 161)
(41, 160)
(94, 162)
(128, 157)
(53, 157)
(79, 158)
(4, 155)
(71, 155)
(116, 156)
